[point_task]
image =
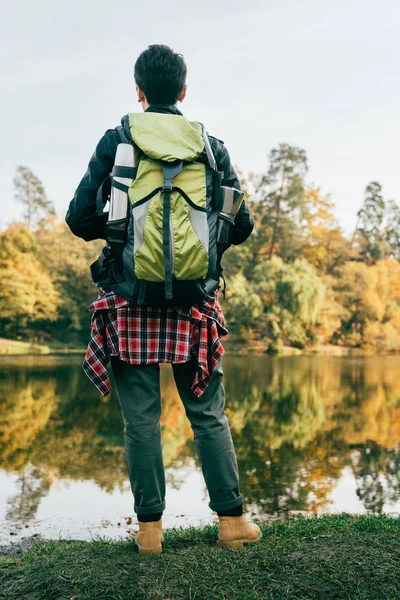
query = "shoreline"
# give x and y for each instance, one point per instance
(21, 348)
(14, 348)
(260, 349)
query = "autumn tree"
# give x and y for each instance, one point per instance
(324, 244)
(371, 295)
(29, 191)
(66, 259)
(27, 294)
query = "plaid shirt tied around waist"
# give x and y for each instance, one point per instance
(142, 335)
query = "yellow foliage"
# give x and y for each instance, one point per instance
(324, 244)
(370, 293)
(26, 290)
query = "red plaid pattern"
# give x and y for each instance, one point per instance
(143, 335)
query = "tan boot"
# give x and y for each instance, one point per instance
(237, 531)
(149, 537)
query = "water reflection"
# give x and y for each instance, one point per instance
(297, 423)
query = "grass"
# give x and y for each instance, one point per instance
(324, 558)
(15, 347)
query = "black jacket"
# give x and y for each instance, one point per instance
(82, 216)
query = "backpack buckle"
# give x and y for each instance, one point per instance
(170, 171)
(167, 186)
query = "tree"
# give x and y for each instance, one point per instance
(27, 294)
(244, 307)
(30, 192)
(280, 194)
(393, 229)
(370, 222)
(281, 303)
(324, 244)
(371, 295)
(66, 259)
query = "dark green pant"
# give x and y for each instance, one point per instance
(138, 388)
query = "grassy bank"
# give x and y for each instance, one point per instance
(16, 347)
(326, 558)
(259, 347)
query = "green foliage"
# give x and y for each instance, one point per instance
(378, 227)
(393, 229)
(370, 221)
(281, 303)
(281, 203)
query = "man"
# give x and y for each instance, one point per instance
(138, 337)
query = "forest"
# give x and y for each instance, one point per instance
(297, 282)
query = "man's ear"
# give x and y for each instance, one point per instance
(182, 94)
(140, 94)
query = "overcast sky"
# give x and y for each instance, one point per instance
(317, 74)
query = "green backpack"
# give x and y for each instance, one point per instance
(166, 249)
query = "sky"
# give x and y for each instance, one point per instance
(319, 75)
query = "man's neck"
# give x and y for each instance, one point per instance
(164, 108)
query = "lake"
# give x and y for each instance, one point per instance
(312, 435)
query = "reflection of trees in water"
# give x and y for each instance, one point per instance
(377, 472)
(294, 422)
(176, 476)
(32, 486)
(61, 424)
(26, 403)
(175, 427)
(277, 440)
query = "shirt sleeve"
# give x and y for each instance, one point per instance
(244, 223)
(82, 217)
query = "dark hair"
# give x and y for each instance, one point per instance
(161, 74)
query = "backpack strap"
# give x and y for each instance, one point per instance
(102, 196)
(217, 175)
(210, 154)
(122, 135)
(170, 171)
